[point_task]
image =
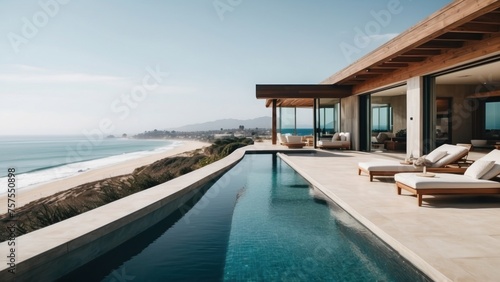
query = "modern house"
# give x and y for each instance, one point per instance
(437, 82)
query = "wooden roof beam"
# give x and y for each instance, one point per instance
(420, 53)
(490, 18)
(389, 65)
(436, 44)
(379, 71)
(300, 103)
(452, 57)
(460, 36)
(477, 28)
(403, 59)
(291, 91)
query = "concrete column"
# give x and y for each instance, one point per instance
(349, 119)
(273, 126)
(414, 120)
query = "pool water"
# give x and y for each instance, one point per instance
(261, 221)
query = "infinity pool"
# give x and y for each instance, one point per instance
(261, 221)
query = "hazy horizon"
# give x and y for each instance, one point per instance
(70, 67)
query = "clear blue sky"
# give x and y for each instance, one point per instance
(73, 66)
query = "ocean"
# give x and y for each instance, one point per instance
(298, 131)
(40, 159)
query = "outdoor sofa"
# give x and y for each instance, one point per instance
(479, 178)
(439, 159)
(293, 141)
(340, 140)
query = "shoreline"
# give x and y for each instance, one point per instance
(28, 194)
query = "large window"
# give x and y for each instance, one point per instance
(492, 120)
(296, 121)
(381, 117)
(492, 116)
(328, 121)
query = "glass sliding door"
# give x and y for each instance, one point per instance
(388, 119)
(287, 121)
(381, 118)
(328, 121)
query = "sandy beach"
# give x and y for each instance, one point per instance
(28, 194)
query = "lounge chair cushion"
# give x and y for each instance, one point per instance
(435, 156)
(444, 181)
(479, 168)
(453, 152)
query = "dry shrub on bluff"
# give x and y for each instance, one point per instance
(77, 200)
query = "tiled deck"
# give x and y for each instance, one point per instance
(453, 238)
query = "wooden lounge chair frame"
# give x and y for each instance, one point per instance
(445, 191)
(446, 169)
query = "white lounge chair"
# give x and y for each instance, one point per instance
(439, 158)
(479, 178)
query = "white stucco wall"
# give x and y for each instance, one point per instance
(414, 128)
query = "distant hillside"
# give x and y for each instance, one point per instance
(261, 122)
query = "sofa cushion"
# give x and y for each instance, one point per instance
(294, 139)
(479, 168)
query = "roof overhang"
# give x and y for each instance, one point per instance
(299, 95)
(461, 31)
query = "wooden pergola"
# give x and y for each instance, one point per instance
(297, 95)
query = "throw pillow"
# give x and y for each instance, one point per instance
(422, 161)
(479, 168)
(492, 173)
(336, 137)
(435, 156)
